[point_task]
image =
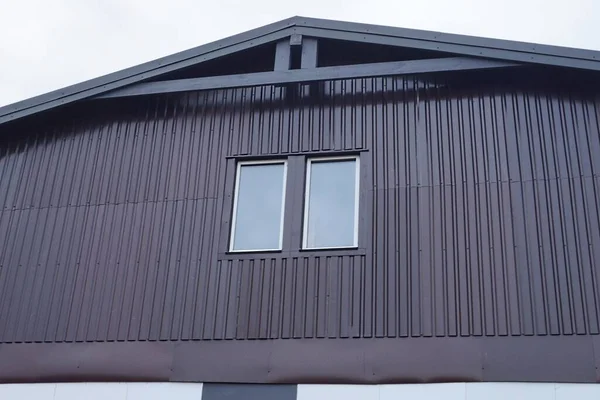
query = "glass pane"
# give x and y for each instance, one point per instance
(331, 204)
(259, 206)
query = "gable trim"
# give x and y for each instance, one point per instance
(267, 34)
(447, 38)
(523, 55)
(450, 43)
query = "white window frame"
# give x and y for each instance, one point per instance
(309, 163)
(236, 196)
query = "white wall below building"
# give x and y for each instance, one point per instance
(452, 391)
(193, 391)
(101, 391)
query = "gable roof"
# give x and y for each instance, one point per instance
(312, 27)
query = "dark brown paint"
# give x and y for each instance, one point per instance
(479, 236)
(384, 360)
(65, 362)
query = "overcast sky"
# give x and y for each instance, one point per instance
(45, 45)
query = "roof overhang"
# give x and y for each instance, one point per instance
(507, 52)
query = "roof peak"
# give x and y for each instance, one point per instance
(321, 29)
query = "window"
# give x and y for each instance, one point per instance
(331, 203)
(323, 211)
(259, 199)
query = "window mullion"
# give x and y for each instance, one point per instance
(292, 226)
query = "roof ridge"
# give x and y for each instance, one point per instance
(321, 28)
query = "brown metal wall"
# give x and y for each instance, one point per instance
(480, 216)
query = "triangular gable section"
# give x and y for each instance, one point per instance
(451, 43)
(142, 72)
(341, 43)
(330, 53)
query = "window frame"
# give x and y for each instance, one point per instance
(317, 159)
(238, 168)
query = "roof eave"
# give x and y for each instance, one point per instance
(436, 41)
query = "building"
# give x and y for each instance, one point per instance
(310, 202)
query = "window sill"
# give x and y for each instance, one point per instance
(235, 252)
(317, 249)
(333, 252)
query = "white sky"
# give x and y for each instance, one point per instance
(46, 45)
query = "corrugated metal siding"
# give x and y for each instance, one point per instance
(482, 217)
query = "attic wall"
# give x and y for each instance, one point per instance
(479, 255)
(256, 59)
(340, 52)
(330, 53)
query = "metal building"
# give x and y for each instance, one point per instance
(310, 202)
